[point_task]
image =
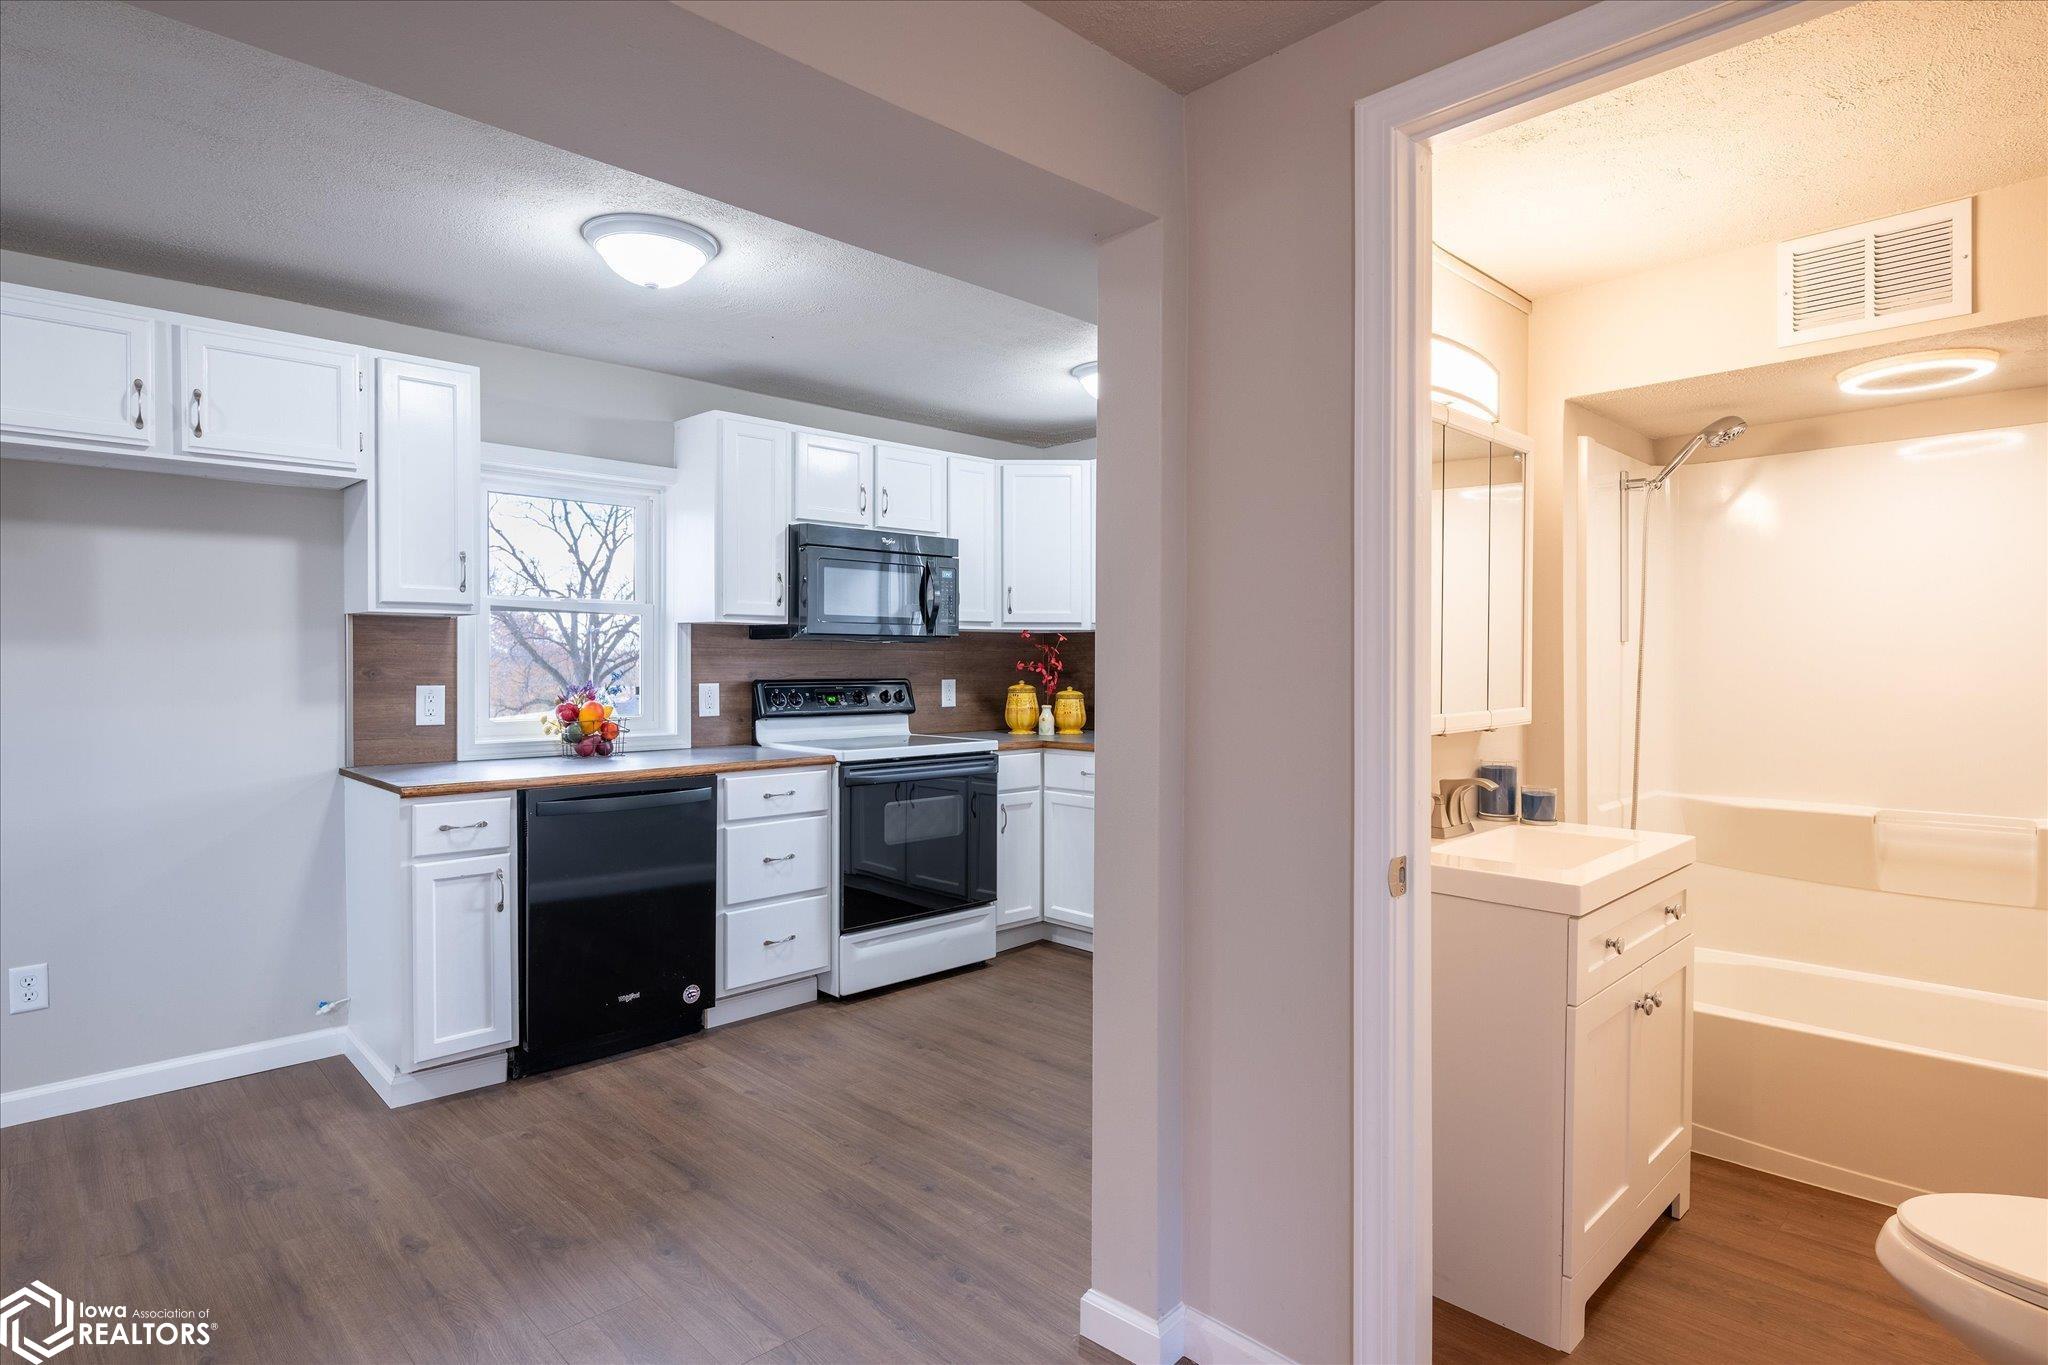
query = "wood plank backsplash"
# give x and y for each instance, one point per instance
(982, 665)
(388, 657)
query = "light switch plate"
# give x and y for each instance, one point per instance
(945, 691)
(430, 705)
(707, 699)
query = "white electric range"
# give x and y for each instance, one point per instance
(916, 827)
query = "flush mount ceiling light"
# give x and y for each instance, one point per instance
(649, 250)
(1917, 373)
(1085, 373)
(1461, 378)
(1961, 443)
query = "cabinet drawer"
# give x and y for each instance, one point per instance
(476, 826)
(1070, 771)
(770, 942)
(1017, 772)
(1621, 935)
(776, 859)
(760, 796)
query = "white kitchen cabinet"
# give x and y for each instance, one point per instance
(835, 479)
(244, 394)
(1070, 858)
(1020, 849)
(910, 490)
(777, 888)
(1048, 550)
(77, 372)
(971, 506)
(1562, 1130)
(729, 523)
(463, 967)
(419, 518)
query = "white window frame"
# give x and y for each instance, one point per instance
(664, 650)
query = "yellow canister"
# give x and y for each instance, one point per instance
(1069, 711)
(1020, 709)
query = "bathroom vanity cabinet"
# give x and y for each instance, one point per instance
(1480, 534)
(1563, 1079)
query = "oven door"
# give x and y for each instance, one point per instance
(856, 592)
(916, 838)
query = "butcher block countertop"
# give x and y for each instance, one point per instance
(1009, 743)
(511, 774)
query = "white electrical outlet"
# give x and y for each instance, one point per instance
(945, 691)
(28, 988)
(430, 705)
(707, 699)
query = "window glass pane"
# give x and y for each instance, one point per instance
(536, 656)
(561, 547)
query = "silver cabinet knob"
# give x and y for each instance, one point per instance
(1614, 945)
(1676, 909)
(462, 559)
(1644, 1005)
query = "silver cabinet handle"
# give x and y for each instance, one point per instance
(1010, 599)
(783, 859)
(776, 796)
(1087, 772)
(863, 499)
(1657, 999)
(778, 587)
(1003, 818)
(1646, 1006)
(197, 408)
(462, 558)
(138, 405)
(447, 829)
(778, 942)
(1614, 945)
(500, 874)
(1676, 909)
(885, 502)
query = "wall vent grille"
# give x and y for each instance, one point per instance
(1913, 267)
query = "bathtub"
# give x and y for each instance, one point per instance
(1876, 1086)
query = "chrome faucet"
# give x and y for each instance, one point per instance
(1450, 810)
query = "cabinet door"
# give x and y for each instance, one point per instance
(261, 396)
(971, 520)
(1507, 592)
(1660, 1067)
(1070, 859)
(1600, 1188)
(1020, 846)
(1467, 496)
(462, 965)
(77, 371)
(910, 490)
(753, 522)
(427, 485)
(1048, 559)
(835, 479)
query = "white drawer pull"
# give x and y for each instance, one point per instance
(450, 829)
(778, 942)
(783, 859)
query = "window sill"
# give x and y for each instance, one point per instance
(542, 747)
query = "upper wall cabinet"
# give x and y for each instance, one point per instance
(249, 395)
(835, 479)
(76, 371)
(1479, 573)
(729, 539)
(1048, 544)
(910, 490)
(419, 517)
(971, 502)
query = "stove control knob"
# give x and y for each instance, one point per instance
(858, 697)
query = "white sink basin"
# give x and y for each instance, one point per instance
(1567, 869)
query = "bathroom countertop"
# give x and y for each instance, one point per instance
(1009, 743)
(511, 774)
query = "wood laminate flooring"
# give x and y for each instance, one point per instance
(899, 1178)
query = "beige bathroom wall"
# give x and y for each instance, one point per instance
(1902, 422)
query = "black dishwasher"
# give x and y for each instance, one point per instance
(618, 914)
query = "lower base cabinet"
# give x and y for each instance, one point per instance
(1020, 851)
(1045, 846)
(1070, 858)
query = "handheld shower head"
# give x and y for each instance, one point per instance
(1715, 434)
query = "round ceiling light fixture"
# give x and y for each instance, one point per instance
(1961, 443)
(649, 250)
(1085, 374)
(1917, 373)
(1461, 378)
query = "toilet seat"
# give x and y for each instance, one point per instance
(1998, 1240)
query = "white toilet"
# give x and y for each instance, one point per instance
(1978, 1263)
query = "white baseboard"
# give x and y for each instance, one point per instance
(1040, 931)
(1804, 1169)
(767, 1000)
(1182, 1331)
(398, 1089)
(157, 1078)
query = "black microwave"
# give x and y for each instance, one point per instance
(848, 582)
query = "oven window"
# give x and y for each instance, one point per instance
(923, 818)
(862, 590)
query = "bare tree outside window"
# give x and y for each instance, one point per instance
(563, 560)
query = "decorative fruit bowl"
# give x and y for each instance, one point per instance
(582, 719)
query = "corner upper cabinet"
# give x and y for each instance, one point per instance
(729, 537)
(77, 373)
(245, 394)
(1048, 548)
(1479, 573)
(971, 519)
(835, 479)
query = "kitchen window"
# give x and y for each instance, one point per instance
(573, 595)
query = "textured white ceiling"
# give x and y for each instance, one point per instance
(139, 143)
(1185, 44)
(1863, 112)
(1797, 389)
